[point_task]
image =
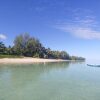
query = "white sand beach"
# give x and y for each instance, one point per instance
(28, 60)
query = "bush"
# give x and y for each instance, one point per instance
(10, 56)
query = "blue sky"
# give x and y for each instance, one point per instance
(71, 25)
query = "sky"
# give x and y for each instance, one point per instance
(70, 25)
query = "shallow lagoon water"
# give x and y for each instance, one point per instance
(49, 81)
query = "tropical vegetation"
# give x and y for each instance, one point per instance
(27, 46)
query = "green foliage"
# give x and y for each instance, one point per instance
(36, 55)
(77, 58)
(20, 43)
(25, 45)
(2, 48)
(10, 56)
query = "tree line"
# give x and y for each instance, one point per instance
(27, 46)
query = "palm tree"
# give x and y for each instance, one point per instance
(2, 48)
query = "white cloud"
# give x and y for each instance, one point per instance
(3, 37)
(82, 32)
(85, 27)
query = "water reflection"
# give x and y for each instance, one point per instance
(21, 75)
(49, 81)
(16, 78)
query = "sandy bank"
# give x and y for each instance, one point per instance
(28, 60)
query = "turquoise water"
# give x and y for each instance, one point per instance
(49, 81)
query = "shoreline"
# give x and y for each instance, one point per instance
(28, 60)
